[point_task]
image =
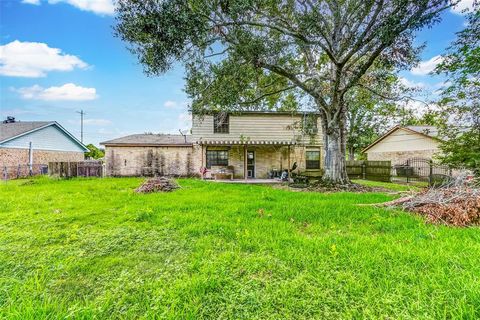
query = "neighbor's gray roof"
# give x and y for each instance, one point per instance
(11, 130)
(150, 140)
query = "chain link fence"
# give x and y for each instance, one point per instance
(23, 171)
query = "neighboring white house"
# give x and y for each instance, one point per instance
(37, 143)
(402, 143)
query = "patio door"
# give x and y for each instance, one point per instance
(251, 164)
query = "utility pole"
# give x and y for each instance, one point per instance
(81, 124)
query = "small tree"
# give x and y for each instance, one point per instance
(262, 53)
(94, 152)
(461, 98)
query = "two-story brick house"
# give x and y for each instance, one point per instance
(251, 144)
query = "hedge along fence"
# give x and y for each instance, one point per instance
(76, 169)
(369, 170)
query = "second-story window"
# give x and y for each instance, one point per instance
(221, 123)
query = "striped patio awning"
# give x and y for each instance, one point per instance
(248, 142)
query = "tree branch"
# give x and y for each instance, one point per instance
(261, 97)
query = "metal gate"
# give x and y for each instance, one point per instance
(421, 170)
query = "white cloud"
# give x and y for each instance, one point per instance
(101, 7)
(184, 121)
(93, 122)
(170, 104)
(411, 84)
(425, 67)
(463, 6)
(35, 2)
(35, 59)
(68, 91)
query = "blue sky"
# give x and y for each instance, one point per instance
(76, 63)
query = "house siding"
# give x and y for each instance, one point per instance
(255, 127)
(401, 145)
(49, 138)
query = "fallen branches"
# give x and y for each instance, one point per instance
(157, 184)
(457, 203)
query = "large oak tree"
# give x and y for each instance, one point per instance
(265, 53)
(460, 99)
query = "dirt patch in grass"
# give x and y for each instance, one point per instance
(157, 184)
(28, 182)
(323, 187)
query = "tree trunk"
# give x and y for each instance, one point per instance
(334, 160)
(351, 153)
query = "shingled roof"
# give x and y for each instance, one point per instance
(151, 140)
(14, 129)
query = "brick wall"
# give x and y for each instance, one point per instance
(400, 157)
(187, 161)
(14, 157)
(139, 161)
(266, 158)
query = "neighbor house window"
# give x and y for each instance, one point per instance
(313, 159)
(217, 158)
(220, 123)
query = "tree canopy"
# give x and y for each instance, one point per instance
(243, 54)
(94, 152)
(461, 99)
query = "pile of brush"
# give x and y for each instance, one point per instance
(157, 184)
(457, 203)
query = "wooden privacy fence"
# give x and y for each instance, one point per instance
(76, 169)
(369, 170)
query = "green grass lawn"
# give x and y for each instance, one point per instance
(392, 186)
(82, 249)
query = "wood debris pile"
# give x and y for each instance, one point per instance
(457, 203)
(157, 184)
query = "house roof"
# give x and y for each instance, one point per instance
(426, 131)
(12, 130)
(148, 139)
